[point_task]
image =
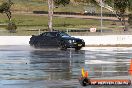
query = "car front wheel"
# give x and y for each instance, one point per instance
(78, 48)
(63, 47)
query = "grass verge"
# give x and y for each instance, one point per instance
(26, 22)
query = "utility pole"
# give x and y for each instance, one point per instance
(101, 15)
(50, 15)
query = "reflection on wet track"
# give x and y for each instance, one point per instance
(27, 63)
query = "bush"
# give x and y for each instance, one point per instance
(130, 19)
(11, 27)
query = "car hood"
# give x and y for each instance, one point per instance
(71, 38)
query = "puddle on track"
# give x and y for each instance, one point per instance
(18, 63)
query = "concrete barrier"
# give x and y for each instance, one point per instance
(89, 40)
(107, 40)
(14, 40)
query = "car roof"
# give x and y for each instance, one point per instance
(54, 32)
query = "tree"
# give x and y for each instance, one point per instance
(5, 8)
(51, 10)
(130, 20)
(118, 7)
(50, 15)
(61, 2)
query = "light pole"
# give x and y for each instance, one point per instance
(101, 15)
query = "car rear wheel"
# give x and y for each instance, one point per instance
(36, 44)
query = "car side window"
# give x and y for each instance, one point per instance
(44, 34)
(62, 34)
(50, 35)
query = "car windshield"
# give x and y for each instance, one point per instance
(64, 34)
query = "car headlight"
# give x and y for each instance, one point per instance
(82, 40)
(73, 41)
(70, 41)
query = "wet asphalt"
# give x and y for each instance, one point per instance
(27, 67)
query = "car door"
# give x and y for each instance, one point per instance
(43, 39)
(51, 39)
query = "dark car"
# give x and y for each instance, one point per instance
(56, 39)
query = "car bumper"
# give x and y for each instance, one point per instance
(74, 45)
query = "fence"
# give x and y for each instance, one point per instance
(74, 32)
